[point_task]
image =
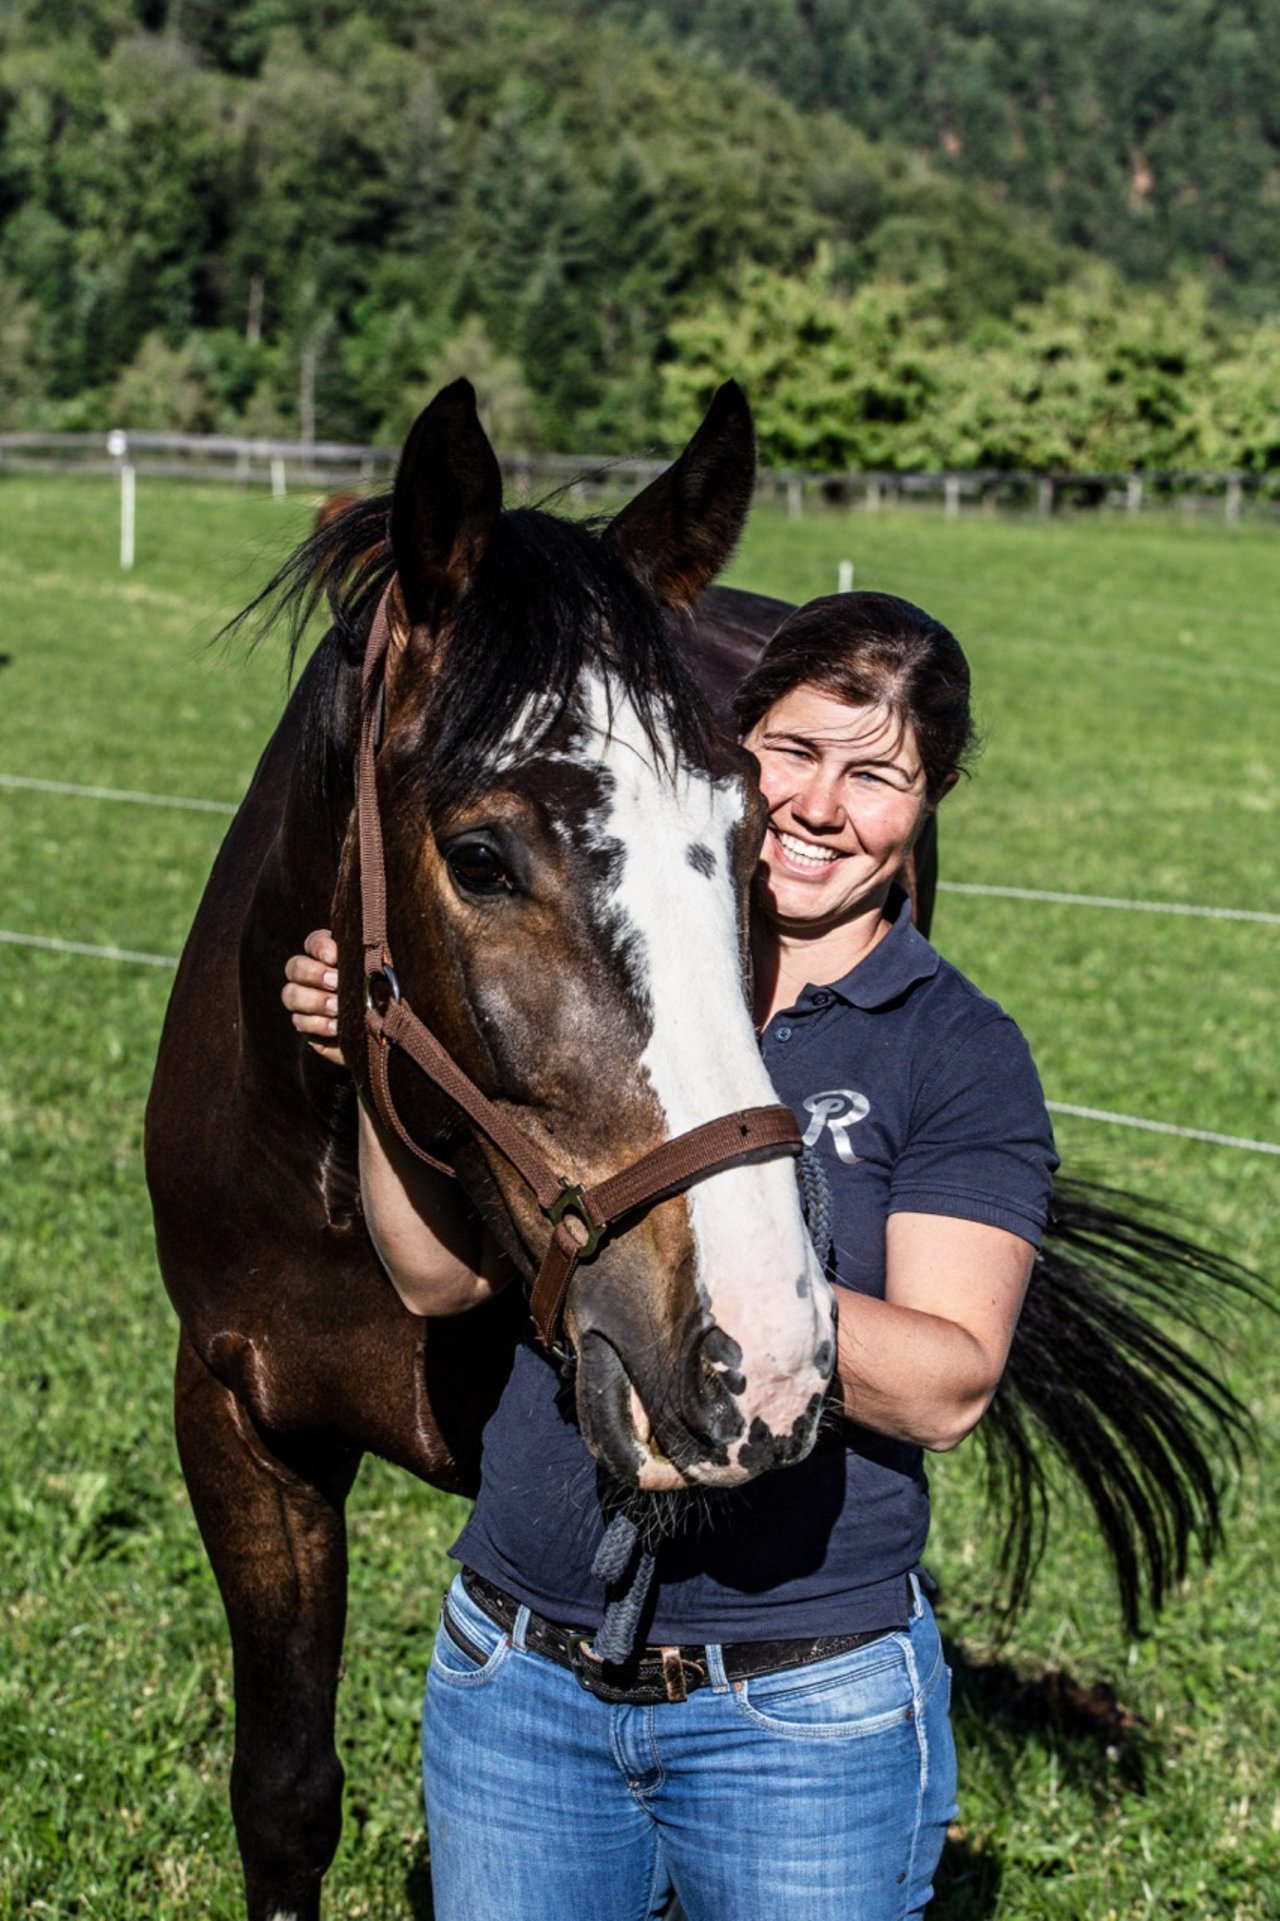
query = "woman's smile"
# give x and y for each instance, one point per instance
(801, 855)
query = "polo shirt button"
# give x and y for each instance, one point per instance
(822, 998)
(782, 1033)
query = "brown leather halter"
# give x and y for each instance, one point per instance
(579, 1216)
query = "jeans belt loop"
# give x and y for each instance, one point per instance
(716, 1675)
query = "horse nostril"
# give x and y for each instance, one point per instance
(721, 1355)
(710, 1410)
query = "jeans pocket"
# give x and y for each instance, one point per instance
(847, 1698)
(469, 1647)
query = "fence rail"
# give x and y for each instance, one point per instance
(332, 465)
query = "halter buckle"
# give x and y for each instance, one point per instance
(387, 974)
(573, 1200)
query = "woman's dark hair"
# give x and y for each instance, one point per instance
(873, 650)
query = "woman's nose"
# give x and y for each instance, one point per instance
(818, 802)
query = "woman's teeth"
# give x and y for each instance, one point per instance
(801, 850)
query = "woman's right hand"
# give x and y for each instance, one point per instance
(311, 993)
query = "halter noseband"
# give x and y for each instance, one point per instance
(579, 1216)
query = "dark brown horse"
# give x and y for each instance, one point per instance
(569, 843)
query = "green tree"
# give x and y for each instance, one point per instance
(166, 387)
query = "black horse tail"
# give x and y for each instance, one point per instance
(1098, 1378)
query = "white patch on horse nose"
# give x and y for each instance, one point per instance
(702, 1061)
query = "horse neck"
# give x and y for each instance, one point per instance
(305, 787)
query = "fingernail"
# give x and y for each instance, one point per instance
(331, 1004)
(330, 977)
(331, 1027)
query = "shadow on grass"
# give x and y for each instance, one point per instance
(1097, 1744)
(417, 1887)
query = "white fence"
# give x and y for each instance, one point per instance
(329, 466)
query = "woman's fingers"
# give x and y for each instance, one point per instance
(310, 993)
(321, 946)
(310, 976)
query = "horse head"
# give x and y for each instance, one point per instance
(569, 846)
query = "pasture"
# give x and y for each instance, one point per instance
(1128, 683)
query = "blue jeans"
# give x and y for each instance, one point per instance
(816, 1793)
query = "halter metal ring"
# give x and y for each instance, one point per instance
(387, 974)
(573, 1200)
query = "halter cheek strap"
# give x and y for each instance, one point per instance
(578, 1216)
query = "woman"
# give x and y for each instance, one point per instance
(809, 1770)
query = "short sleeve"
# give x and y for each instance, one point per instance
(980, 1144)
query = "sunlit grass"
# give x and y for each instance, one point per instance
(1128, 681)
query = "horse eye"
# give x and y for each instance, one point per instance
(476, 869)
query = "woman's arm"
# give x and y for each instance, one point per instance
(437, 1255)
(922, 1364)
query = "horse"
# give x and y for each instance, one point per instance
(533, 710)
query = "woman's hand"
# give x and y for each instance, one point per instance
(311, 993)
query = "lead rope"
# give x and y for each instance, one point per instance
(815, 1199)
(626, 1567)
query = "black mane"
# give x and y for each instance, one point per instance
(547, 599)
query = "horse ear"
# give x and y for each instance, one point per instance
(448, 495)
(678, 534)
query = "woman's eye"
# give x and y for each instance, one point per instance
(477, 869)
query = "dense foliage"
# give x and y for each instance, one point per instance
(1148, 133)
(283, 216)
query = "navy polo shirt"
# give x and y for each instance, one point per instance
(919, 1096)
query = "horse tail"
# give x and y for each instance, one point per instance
(1099, 1380)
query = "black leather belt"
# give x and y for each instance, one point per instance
(656, 1673)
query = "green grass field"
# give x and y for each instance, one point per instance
(1128, 682)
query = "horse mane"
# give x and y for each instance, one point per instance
(547, 600)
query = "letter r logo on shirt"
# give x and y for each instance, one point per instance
(837, 1111)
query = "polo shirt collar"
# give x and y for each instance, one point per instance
(896, 963)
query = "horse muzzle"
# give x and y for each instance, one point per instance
(696, 1422)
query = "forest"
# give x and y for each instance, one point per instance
(912, 230)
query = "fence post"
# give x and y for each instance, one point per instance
(1044, 495)
(844, 577)
(795, 496)
(118, 448)
(1133, 493)
(951, 495)
(278, 489)
(1233, 500)
(873, 494)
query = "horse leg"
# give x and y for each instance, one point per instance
(274, 1532)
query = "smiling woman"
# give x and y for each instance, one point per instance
(858, 717)
(798, 1618)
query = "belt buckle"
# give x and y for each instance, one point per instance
(589, 1671)
(678, 1678)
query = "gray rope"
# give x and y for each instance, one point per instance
(626, 1569)
(815, 1198)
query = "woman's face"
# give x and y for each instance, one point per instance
(846, 795)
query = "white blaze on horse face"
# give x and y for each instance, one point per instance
(755, 1265)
